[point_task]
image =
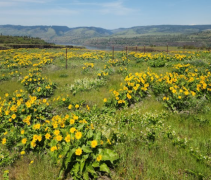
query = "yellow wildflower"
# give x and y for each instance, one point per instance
(59, 138)
(108, 141)
(70, 106)
(47, 136)
(23, 152)
(4, 140)
(39, 138)
(72, 121)
(56, 132)
(13, 116)
(78, 152)
(24, 140)
(88, 108)
(93, 143)
(53, 148)
(99, 157)
(129, 96)
(72, 130)
(78, 135)
(33, 143)
(67, 138)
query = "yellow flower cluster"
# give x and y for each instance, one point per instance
(88, 65)
(134, 88)
(163, 56)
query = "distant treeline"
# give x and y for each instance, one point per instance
(15, 42)
(21, 40)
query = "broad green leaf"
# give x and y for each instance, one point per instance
(53, 142)
(64, 132)
(105, 168)
(75, 168)
(85, 157)
(82, 166)
(89, 134)
(111, 154)
(105, 157)
(20, 144)
(100, 151)
(61, 173)
(95, 164)
(86, 149)
(90, 169)
(80, 127)
(69, 156)
(98, 136)
(86, 175)
(65, 150)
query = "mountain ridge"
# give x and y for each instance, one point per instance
(89, 34)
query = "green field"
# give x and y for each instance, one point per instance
(89, 115)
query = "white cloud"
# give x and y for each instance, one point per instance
(38, 13)
(115, 8)
(6, 4)
(11, 3)
(30, 1)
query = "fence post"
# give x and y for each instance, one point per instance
(167, 48)
(66, 58)
(113, 52)
(144, 49)
(136, 49)
(126, 51)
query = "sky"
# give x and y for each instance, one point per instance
(108, 14)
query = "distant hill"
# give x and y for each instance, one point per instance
(87, 32)
(8, 42)
(99, 36)
(20, 40)
(50, 32)
(162, 29)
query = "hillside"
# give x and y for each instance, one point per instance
(94, 36)
(21, 40)
(14, 42)
(201, 39)
(162, 29)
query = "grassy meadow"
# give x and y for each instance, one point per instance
(134, 116)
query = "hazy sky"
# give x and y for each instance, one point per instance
(109, 14)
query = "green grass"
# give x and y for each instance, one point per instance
(138, 159)
(9, 87)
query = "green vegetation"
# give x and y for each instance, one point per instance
(15, 42)
(20, 40)
(176, 35)
(134, 116)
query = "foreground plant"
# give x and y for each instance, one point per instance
(38, 86)
(81, 150)
(71, 141)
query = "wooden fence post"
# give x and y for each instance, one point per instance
(113, 52)
(167, 48)
(66, 58)
(126, 51)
